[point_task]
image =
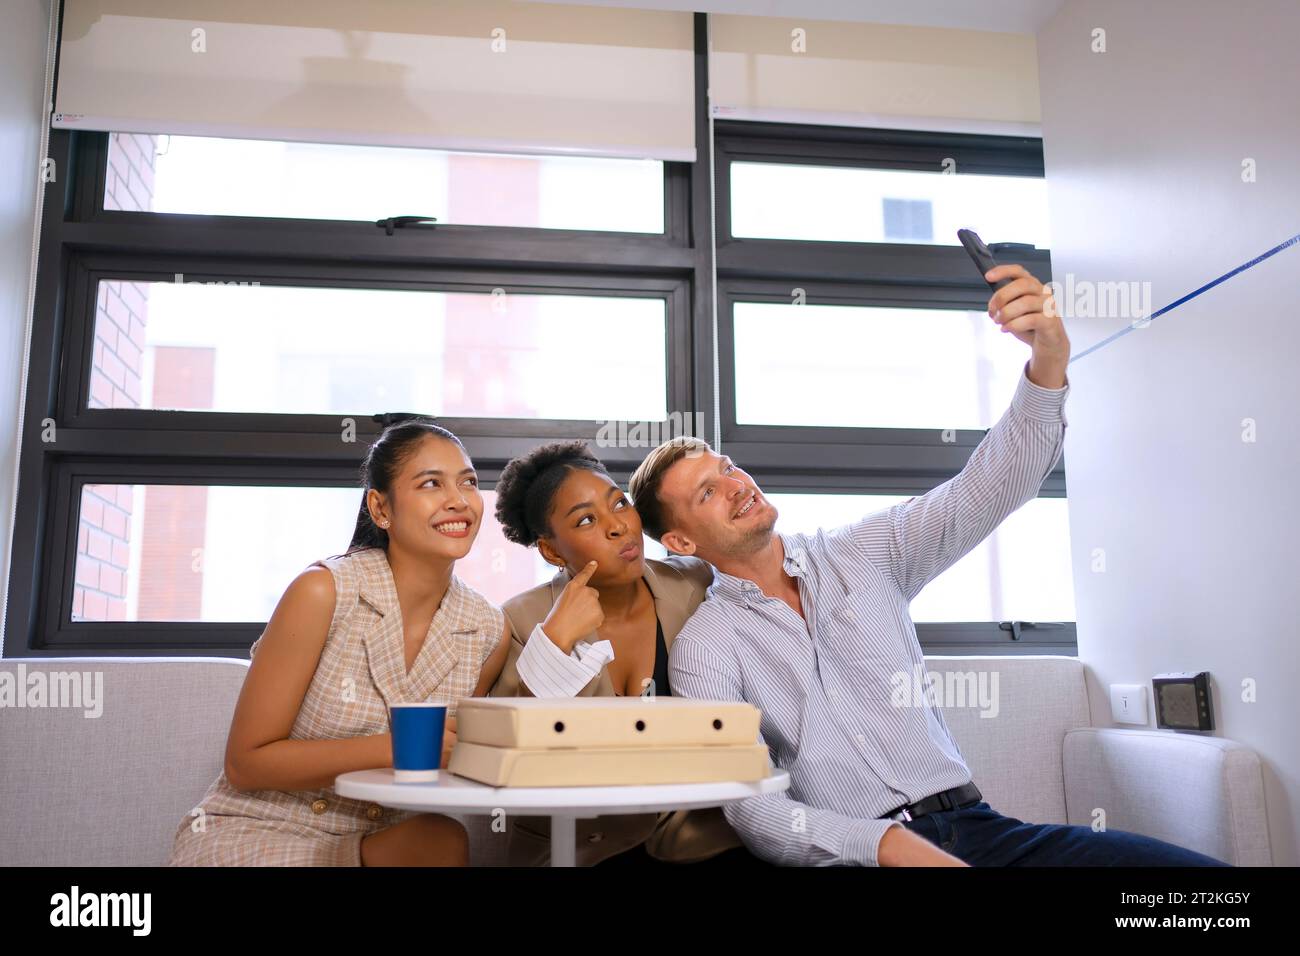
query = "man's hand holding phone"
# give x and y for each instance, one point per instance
(1025, 308)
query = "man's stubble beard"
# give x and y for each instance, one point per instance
(755, 539)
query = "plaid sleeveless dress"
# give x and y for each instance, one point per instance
(362, 670)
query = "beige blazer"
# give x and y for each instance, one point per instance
(678, 585)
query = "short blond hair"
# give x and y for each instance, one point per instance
(646, 481)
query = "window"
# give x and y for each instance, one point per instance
(221, 329)
(1019, 572)
(241, 346)
(236, 177)
(226, 552)
(857, 362)
(855, 204)
(908, 220)
(889, 367)
(223, 358)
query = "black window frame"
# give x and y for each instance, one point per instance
(82, 243)
(896, 461)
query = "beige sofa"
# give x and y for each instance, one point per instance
(79, 790)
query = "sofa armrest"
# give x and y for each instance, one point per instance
(1202, 793)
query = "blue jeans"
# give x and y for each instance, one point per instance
(981, 836)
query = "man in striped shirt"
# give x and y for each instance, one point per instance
(813, 628)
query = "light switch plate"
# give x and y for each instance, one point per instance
(1128, 704)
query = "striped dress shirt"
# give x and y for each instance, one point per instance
(825, 682)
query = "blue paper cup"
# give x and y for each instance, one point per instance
(417, 741)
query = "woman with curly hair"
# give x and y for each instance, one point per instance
(601, 627)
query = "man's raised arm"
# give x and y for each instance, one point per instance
(918, 539)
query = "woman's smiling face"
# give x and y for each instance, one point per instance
(434, 507)
(592, 520)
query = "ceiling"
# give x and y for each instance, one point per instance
(997, 16)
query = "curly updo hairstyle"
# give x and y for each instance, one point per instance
(528, 484)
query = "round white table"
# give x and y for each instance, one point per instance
(564, 805)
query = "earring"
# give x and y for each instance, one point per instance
(384, 523)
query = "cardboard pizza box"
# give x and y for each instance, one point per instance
(607, 766)
(568, 722)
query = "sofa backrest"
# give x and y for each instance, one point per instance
(111, 790)
(1014, 753)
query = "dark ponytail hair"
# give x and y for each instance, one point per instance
(384, 459)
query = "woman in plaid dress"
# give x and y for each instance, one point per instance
(387, 622)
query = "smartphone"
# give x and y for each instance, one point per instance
(981, 254)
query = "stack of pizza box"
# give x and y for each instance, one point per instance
(606, 741)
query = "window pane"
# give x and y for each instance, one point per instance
(251, 348)
(1019, 572)
(888, 368)
(848, 204)
(234, 177)
(227, 553)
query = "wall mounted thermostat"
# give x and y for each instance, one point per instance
(1183, 701)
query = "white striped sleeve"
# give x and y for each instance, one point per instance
(549, 672)
(775, 827)
(781, 830)
(917, 540)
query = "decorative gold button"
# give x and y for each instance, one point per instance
(595, 837)
(318, 806)
(374, 811)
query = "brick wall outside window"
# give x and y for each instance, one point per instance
(121, 314)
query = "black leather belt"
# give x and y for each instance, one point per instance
(944, 800)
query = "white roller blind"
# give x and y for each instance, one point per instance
(489, 76)
(866, 74)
